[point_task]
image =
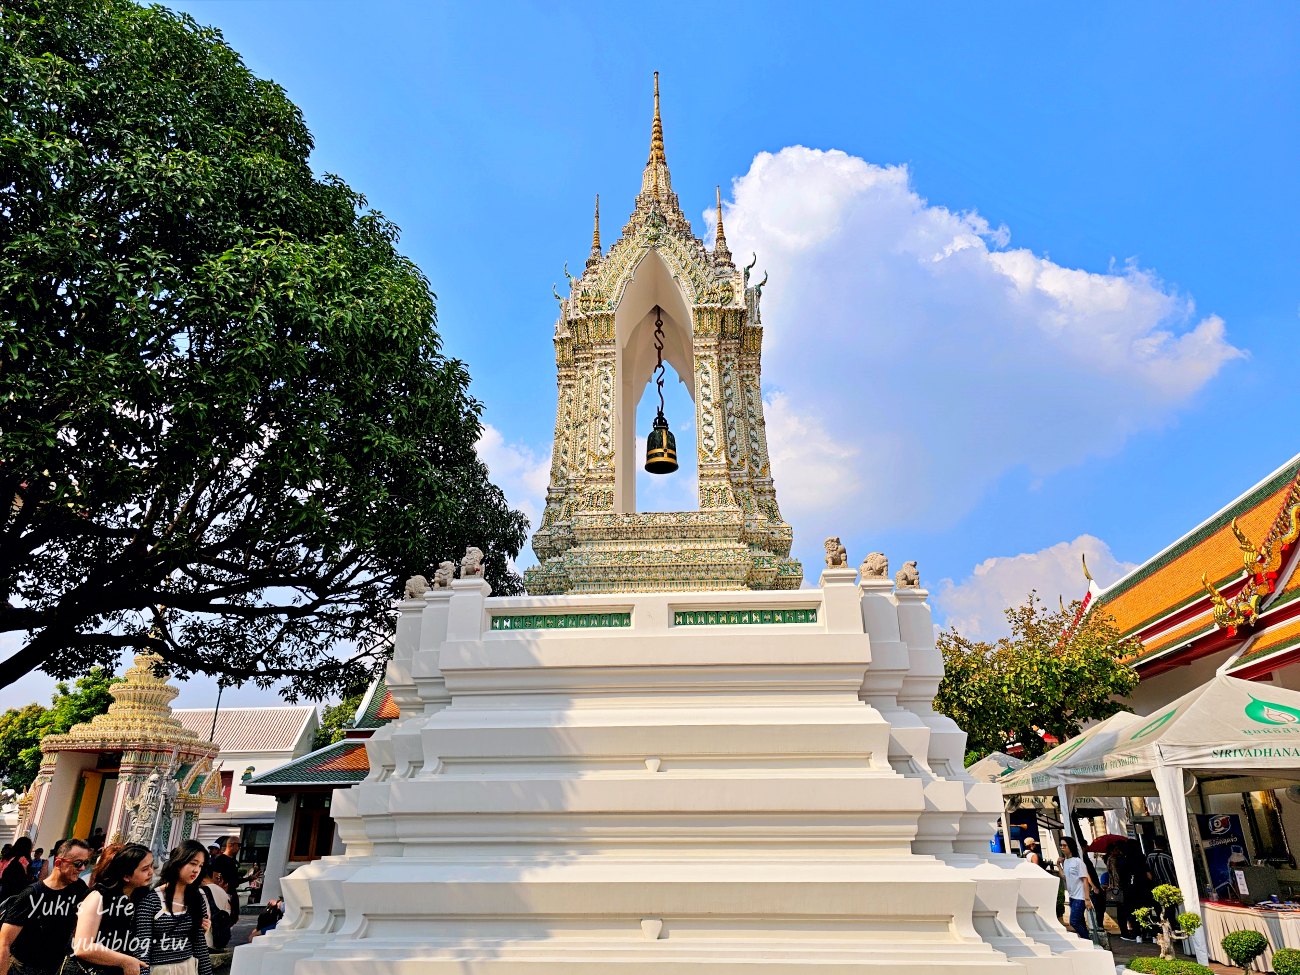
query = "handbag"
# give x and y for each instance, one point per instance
(1114, 896)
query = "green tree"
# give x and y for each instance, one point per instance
(1050, 675)
(221, 388)
(336, 719)
(21, 729)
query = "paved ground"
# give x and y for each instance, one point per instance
(238, 936)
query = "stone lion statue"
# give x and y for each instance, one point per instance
(875, 566)
(836, 557)
(442, 577)
(472, 563)
(416, 586)
(907, 577)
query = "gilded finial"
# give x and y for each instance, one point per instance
(595, 236)
(720, 251)
(657, 131)
(1249, 554)
(1086, 574)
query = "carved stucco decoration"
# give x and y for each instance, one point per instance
(585, 543)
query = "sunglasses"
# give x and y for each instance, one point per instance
(79, 864)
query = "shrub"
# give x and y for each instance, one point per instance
(1163, 966)
(1189, 922)
(1243, 947)
(1286, 961)
(1167, 895)
(1147, 918)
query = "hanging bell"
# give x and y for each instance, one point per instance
(661, 448)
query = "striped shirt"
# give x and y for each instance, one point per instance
(177, 937)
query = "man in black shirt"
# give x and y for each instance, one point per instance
(36, 930)
(226, 866)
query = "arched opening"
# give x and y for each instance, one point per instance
(678, 491)
(652, 285)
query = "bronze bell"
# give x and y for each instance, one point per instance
(661, 448)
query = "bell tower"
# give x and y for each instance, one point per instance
(592, 538)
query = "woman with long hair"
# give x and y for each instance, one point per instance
(179, 946)
(1078, 885)
(115, 921)
(16, 878)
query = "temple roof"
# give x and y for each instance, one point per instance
(262, 729)
(1233, 572)
(343, 763)
(140, 718)
(377, 707)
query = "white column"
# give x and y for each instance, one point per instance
(1173, 801)
(277, 856)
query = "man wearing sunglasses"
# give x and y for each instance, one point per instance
(36, 930)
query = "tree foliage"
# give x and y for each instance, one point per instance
(21, 729)
(1051, 675)
(221, 388)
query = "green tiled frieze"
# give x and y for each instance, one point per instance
(740, 617)
(562, 621)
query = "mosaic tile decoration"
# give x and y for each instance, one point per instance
(562, 621)
(741, 617)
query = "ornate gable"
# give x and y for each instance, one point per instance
(592, 539)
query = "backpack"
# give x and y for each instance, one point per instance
(221, 921)
(8, 903)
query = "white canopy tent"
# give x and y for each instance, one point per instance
(1230, 735)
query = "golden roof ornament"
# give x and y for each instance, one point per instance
(595, 237)
(721, 254)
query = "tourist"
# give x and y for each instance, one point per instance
(1079, 885)
(115, 921)
(218, 901)
(1033, 853)
(39, 865)
(179, 945)
(269, 918)
(97, 839)
(1137, 886)
(102, 861)
(36, 933)
(15, 878)
(226, 866)
(1160, 865)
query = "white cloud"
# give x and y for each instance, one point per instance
(974, 606)
(520, 471)
(911, 360)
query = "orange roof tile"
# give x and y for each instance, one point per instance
(1272, 640)
(349, 760)
(1172, 579)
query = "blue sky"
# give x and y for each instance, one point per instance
(1034, 284)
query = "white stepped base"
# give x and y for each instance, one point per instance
(669, 799)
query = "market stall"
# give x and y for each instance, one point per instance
(1228, 735)
(1280, 924)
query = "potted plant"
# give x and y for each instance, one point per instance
(1167, 896)
(1243, 947)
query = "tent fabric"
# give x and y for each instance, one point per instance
(1227, 725)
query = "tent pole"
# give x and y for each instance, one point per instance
(1173, 801)
(1067, 820)
(1006, 826)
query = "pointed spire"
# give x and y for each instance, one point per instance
(721, 253)
(595, 236)
(657, 132)
(655, 182)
